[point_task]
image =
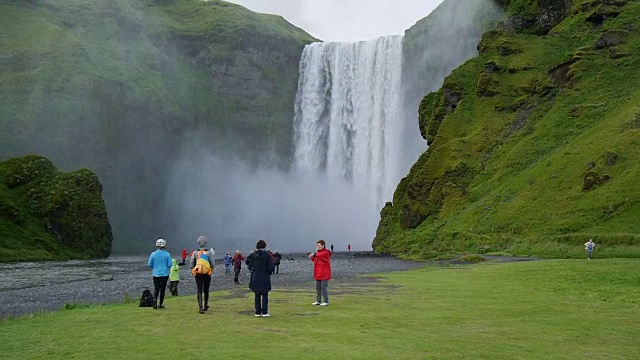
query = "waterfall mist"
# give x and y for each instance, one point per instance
(235, 205)
(355, 136)
(347, 114)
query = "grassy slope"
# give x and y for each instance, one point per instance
(515, 182)
(129, 55)
(559, 309)
(119, 87)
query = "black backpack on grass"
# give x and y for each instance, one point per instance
(147, 298)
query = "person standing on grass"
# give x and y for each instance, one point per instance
(174, 277)
(321, 272)
(237, 265)
(261, 269)
(202, 268)
(589, 247)
(160, 263)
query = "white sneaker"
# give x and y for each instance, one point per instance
(324, 304)
(266, 315)
(258, 315)
(315, 303)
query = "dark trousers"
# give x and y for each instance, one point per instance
(159, 284)
(262, 303)
(173, 288)
(236, 272)
(277, 268)
(202, 285)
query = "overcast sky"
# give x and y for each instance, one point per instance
(347, 20)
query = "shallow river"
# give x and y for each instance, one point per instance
(43, 286)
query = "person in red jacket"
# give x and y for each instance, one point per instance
(184, 256)
(321, 272)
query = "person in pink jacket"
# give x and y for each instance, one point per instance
(321, 272)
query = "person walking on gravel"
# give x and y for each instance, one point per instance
(237, 260)
(160, 263)
(321, 272)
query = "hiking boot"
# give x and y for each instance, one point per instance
(160, 306)
(324, 304)
(155, 305)
(266, 315)
(206, 307)
(315, 303)
(201, 311)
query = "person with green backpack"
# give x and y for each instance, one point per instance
(202, 268)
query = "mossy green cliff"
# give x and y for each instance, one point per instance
(46, 214)
(123, 87)
(534, 144)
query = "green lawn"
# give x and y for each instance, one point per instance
(552, 309)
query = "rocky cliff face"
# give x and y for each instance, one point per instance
(46, 214)
(122, 87)
(516, 136)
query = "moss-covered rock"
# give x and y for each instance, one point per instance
(46, 214)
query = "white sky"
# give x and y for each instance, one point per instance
(347, 20)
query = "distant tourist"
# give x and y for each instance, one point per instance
(332, 248)
(237, 265)
(321, 272)
(227, 263)
(184, 256)
(276, 261)
(349, 248)
(174, 277)
(202, 267)
(160, 263)
(248, 261)
(589, 247)
(261, 269)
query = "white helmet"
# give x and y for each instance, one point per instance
(161, 242)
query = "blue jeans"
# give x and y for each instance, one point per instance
(262, 303)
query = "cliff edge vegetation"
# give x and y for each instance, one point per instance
(49, 215)
(534, 143)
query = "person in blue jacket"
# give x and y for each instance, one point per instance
(227, 263)
(160, 262)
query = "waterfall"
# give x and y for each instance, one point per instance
(348, 122)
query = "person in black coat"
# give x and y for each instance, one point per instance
(261, 269)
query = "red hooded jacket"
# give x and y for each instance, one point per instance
(322, 265)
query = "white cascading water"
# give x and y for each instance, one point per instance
(348, 121)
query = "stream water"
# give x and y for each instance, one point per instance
(29, 287)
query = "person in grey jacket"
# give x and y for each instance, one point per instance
(261, 269)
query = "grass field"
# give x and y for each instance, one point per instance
(552, 309)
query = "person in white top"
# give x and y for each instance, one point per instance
(589, 247)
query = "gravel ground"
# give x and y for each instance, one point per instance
(27, 288)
